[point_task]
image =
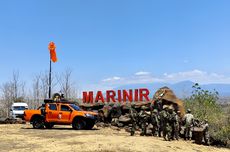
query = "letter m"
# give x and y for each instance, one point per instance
(88, 97)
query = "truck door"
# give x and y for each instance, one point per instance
(65, 113)
(52, 113)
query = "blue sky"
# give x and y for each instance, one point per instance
(111, 43)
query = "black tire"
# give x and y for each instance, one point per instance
(90, 124)
(38, 123)
(79, 123)
(49, 125)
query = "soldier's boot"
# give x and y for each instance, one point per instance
(164, 134)
(153, 131)
(159, 133)
(207, 141)
(186, 134)
(170, 136)
(167, 137)
(142, 132)
(132, 133)
(145, 131)
(172, 133)
(177, 135)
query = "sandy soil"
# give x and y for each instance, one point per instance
(63, 138)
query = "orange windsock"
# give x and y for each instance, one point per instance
(52, 49)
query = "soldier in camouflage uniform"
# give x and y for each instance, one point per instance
(177, 125)
(133, 116)
(115, 114)
(161, 123)
(189, 120)
(171, 123)
(143, 120)
(101, 116)
(206, 133)
(164, 115)
(155, 122)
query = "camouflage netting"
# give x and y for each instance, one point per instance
(168, 96)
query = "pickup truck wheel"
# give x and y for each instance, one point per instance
(79, 123)
(49, 125)
(90, 124)
(38, 123)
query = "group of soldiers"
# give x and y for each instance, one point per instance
(156, 120)
(165, 122)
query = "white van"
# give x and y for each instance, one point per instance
(17, 110)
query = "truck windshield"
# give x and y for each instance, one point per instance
(19, 108)
(75, 107)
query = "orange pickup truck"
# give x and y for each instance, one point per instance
(59, 113)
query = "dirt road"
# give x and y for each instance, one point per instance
(62, 138)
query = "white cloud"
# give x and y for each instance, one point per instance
(115, 78)
(187, 75)
(137, 78)
(142, 73)
(141, 77)
(199, 76)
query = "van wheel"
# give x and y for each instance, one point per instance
(49, 125)
(79, 123)
(38, 123)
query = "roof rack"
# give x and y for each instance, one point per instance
(61, 101)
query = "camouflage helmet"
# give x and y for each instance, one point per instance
(144, 107)
(111, 104)
(165, 106)
(155, 111)
(132, 105)
(170, 107)
(188, 110)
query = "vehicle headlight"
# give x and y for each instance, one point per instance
(88, 115)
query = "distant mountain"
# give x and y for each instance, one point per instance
(181, 89)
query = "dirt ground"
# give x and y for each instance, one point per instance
(63, 138)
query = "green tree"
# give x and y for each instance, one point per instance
(203, 103)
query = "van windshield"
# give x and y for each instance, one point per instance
(75, 107)
(19, 108)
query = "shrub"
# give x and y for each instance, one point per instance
(204, 105)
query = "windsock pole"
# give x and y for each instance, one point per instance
(53, 57)
(50, 72)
